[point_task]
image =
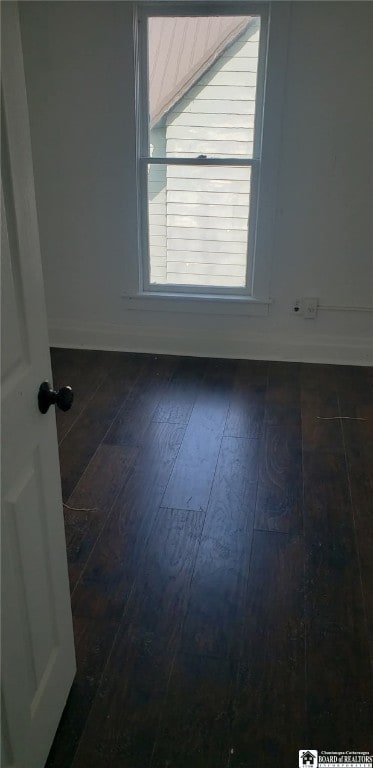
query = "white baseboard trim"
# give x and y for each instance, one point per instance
(254, 346)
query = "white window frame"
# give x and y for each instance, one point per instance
(254, 298)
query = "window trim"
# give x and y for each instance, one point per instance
(269, 108)
(208, 303)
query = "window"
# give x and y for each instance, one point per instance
(202, 178)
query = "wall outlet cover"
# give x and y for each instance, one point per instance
(309, 305)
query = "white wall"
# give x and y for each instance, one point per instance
(79, 69)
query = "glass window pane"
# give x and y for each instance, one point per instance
(198, 224)
(202, 85)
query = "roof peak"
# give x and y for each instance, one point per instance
(181, 49)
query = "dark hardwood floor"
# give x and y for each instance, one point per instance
(220, 552)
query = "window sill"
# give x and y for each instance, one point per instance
(197, 303)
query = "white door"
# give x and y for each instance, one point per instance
(38, 659)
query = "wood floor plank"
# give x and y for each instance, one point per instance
(330, 541)
(268, 703)
(339, 705)
(176, 403)
(91, 501)
(83, 370)
(247, 407)
(279, 497)
(81, 442)
(340, 710)
(101, 596)
(132, 420)
(193, 730)
(94, 638)
(191, 480)
(321, 427)
(283, 394)
(215, 611)
(355, 390)
(360, 470)
(113, 566)
(339, 690)
(147, 640)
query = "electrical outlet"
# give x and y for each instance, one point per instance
(295, 307)
(308, 307)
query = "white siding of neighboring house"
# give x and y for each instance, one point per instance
(205, 210)
(158, 208)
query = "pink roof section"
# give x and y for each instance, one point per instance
(180, 50)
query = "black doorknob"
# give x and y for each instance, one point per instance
(47, 396)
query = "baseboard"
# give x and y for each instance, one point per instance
(254, 346)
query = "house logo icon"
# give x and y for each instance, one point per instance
(308, 758)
